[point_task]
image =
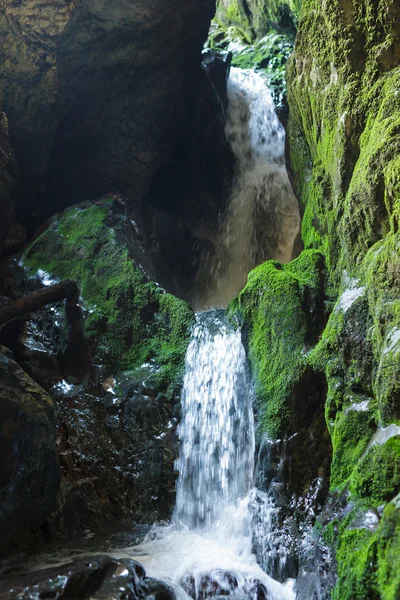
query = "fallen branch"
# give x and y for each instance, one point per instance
(35, 300)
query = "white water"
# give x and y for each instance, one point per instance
(262, 219)
(219, 517)
(216, 461)
(209, 544)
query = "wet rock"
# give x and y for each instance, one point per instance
(7, 179)
(113, 366)
(29, 469)
(220, 584)
(99, 577)
(16, 238)
(158, 589)
(217, 66)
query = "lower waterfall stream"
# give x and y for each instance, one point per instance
(207, 550)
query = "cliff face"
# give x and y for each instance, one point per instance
(96, 92)
(343, 82)
(7, 179)
(342, 356)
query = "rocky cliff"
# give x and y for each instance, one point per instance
(97, 93)
(343, 137)
(344, 144)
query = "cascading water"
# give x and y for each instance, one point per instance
(216, 461)
(262, 219)
(207, 550)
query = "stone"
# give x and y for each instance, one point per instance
(7, 180)
(99, 576)
(29, 469)
(96, 92)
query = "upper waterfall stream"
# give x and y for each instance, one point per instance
(208, 548)
(262, 218)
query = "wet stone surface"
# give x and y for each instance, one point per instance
(220, 583)
(100, 577)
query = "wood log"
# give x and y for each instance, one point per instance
(35, 300)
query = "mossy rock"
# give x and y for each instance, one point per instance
(130, 320)
(279, 305)
(254, 18)
(368, 558)
(343, 92)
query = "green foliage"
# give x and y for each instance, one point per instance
(130, 321)
(256, 17)
(268, 56)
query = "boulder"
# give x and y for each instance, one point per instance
(29, 469)
(99, 576)
(114, 366)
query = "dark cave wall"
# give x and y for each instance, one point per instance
(95, 93)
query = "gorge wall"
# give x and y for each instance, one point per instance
(342, 357)
(343, 82)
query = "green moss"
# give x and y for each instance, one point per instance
(130, 319)
(381, 268)
(376, 478)
(273, 304)
(257, 17)
(352, 431)
(368, 559)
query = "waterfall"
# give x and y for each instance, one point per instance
(207, 550)
(216, 461)
(220, 520)
(262, 219)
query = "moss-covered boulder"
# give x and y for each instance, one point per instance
(29, 469)
(129, 319)
(282, 313)
(280, 304)
(116, 368)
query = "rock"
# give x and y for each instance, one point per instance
(129, 320)
(16, 238)
(7, 180)
(222, 584)
(114, 367)
(29, 469)
(158, 589)
(102, 100)
(99, 577)
(348, 102)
